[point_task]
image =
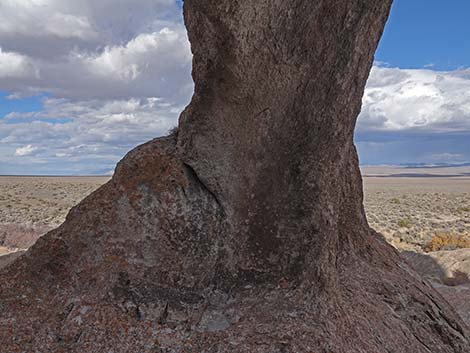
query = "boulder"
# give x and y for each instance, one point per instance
(243, 231)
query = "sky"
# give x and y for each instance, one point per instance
(83, 82)
(416, 108)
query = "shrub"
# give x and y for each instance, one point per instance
(404, 223)
(463, 209)
(447, 241)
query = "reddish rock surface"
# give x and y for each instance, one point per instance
(245, 231)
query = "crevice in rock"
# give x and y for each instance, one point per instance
(192, 175)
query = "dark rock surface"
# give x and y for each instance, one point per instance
(245, 231)
(7, 259)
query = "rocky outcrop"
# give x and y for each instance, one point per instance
(244, 231)
(8, 258)
(449, 273)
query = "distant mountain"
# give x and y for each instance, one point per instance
(434, 165)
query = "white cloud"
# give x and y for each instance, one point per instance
(51, 28)
(113, 73)
(117, 73)
(156, 55)
(25, 151)
(84, 132)
(447, 157)
(416, 100)
(88, 49)
(14, 65)
(42, 18)
(151, 64)
(415, 116)
(69, 26)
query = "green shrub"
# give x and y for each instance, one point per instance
(463, 209)
(404, 223)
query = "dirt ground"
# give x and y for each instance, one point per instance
(30, 206)
(410, 206)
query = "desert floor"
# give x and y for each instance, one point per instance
(30, 206)
(408, 206)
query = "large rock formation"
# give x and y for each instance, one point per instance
(449, 273)
(245, 231)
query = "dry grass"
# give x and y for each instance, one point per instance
(31, 206)
(410, 211)
(447, 241)
(42, 201)
(464, 209)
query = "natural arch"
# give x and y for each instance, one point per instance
(245, 231)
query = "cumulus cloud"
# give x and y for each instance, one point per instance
(94, 49)
(67, 124)
(128, 62)
(42, 18)
(14, 65)
(151, 64)
(157, 63)
(92, 135)
(415, 116)
(114, 74)
(416, 100)
(49, 29)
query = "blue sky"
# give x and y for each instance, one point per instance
(427, 32)
(29, 104)
(81, 83)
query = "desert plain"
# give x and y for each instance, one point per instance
(32, 205)
(410, 206)
(423, 212)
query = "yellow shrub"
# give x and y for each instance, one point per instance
(443, 240)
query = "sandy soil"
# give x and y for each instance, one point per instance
(36, 201)
(408, 210)
(30, 206)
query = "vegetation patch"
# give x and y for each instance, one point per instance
(463, 209)
(404, 223)
(447, 241)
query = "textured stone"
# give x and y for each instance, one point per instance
(244, 231)
(449, 273)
